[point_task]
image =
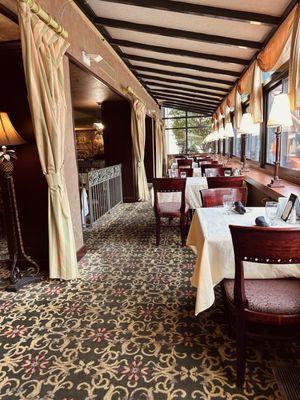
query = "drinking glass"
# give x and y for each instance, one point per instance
(227, 172)
(271, 211)
(182, 174)
(227, 202)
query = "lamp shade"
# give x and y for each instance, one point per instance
(8, 135)
(280, 113)
(229, 130)
(247, 126)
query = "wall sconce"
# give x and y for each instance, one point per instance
(280, 115)
(229, 133)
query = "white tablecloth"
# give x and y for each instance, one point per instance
(210, 238)
(192, 195)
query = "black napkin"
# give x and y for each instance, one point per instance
(239, 207)
(260, 221)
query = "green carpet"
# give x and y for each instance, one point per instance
(126, 330)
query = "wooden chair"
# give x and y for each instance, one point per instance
(207, 165)
(216, 171)
(214, 197)
(185, 163)
(187, 170)
(272, 302)
(170, 210)
(224, 181)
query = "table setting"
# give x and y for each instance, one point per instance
(210, 239)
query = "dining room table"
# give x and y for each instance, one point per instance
(192, 193)
(210, 239)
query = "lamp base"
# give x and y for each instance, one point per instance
(276, 183)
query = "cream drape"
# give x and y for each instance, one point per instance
(294, 65)
(43, 52)
(160, 148)
(138, 133)
(256, 95)
(238, 111)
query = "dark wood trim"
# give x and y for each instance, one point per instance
(9, 14)
(178, 52)
(183, 75)
(176, 33)
(187, 102)
(214, 91)
(181, 90)
(133, 57)
(81, 252)
(184, 106)
(184, 96)
(201, 10)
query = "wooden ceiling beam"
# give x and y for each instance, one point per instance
(182, 75)
(176, 33)
(185, 96)
(178, 52)
(176, 64)
(214, 90)
(186, 102)
(181, 90)
(201, 10)
(184, 107)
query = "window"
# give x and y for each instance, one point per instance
(185, 131)
(254, 147)
(290, 137)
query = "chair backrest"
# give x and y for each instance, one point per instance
(164, 185)
(224, 181)
(184, 163)
(216, 171)
(207, 165)
(189, 171)
(214, 197)
(261, 245)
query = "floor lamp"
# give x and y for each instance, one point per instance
(280, 115)
(23, 269)
(229, 133)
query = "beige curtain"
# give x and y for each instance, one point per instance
(43, 52)
(160, 148)
(294, 67)
(256, 95)
(238, 112)
(138, 132)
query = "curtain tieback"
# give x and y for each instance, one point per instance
(54, 180)
(139, 164)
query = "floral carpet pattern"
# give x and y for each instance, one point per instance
(126, 329)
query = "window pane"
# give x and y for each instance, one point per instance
(255, 147)
(192, 114)
(175, 141)
(271, 145)
(175, 123)
(197, 134)
(173, 112)
(194, 122)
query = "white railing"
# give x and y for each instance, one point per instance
(104, 190)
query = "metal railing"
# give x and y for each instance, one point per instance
(104, 189)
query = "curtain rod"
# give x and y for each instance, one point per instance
(129, 90)
(36, 9)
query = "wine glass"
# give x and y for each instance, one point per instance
(227, 202)
(271, 211)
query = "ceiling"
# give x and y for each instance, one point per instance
(9, 30)
(88, 93)
(187, 53)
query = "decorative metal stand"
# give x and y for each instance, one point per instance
(21, 274)
(276, 182)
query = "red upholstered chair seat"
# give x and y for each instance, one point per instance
(274, 296)
(171, 210)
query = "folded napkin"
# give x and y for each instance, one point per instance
(260, 221)
(239, 207)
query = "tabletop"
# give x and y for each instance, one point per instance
(192, 193)
(209, 237)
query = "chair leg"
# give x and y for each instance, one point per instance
(157, 231)
(182, 229)
(241, 350)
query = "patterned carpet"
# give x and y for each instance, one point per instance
(126, 330)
